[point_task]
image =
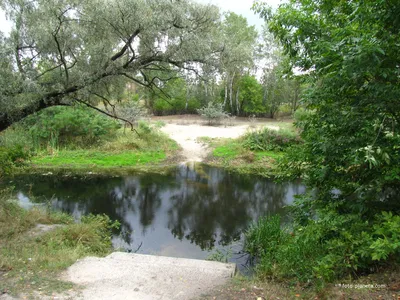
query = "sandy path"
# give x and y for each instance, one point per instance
(186, 136)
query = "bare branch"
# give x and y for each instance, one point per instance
(108, 114)
(126, 46)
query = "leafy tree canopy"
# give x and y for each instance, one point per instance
(350, 53)
(61, 52)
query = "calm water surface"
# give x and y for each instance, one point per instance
(191, 212)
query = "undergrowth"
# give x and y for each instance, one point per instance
(31, 262)
(325, 249)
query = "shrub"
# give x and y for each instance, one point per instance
(94, 232)
(213, 112)
(133, 111)
(268, 139)
(62, 126)
(14, 156)
(300, 116)
(175, 106)
(324, 249)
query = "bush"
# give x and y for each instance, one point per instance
(300, 116)
(268, 139)
(175, 106)
(11, 157)
(94, 233)
(73, 126)
(325, 249)
(213, 112)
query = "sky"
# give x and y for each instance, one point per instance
(4, 25)
(241, 7)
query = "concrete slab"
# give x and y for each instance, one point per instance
(146, 277)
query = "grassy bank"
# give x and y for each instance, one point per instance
(230, 154)
(97, 158)
(30, 260)
(126, 150)
(257, 152)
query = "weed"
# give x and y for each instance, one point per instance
(220, 255)
(30, 262)
(268, 139)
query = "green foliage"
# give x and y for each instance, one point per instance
(175, 106)
(269, 139)
(323, 249)
(93, 158)
(213, 112)
(62, 126)
(300, 116)
(292, 165)
(95, 62)
(179, 99)
(264, 236)
(33, 260)
(251, 95)
(387, 236)
(93, 233)
(10, 157)
(15, 220)
(220, 255)
(350, 127)
(351, 137)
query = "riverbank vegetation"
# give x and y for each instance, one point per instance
(31, 259)
(76, 137)
(333, 65)
(258, 152)
(349, 225)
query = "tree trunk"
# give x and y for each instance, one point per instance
(231, 93)
(226, 91)
(237, 102)
(296, 97)
(187, 99)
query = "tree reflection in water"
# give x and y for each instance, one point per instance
(187, 212)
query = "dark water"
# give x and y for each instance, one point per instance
(191, 212)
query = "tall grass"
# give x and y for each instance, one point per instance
(267, 139)
(325, 249)
(30, 261)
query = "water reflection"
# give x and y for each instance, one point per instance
(186, 213)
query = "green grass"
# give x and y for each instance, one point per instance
(31, 262)
(230, 154)
(268, 154)
(99, 158)
(149, 147)
(229, 150)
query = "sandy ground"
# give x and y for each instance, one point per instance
(186, 136)
(186, 132)
(122, 276)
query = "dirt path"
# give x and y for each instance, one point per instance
(186, 136)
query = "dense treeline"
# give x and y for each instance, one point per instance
(184, 54)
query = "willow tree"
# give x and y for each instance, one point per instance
(66, 52)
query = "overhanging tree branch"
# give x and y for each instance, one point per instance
(108, 114)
